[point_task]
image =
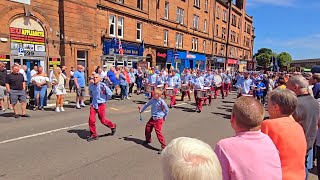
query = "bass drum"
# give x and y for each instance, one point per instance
(217, 81)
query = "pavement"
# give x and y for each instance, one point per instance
(52, 145)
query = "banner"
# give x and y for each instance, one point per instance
(4, 57)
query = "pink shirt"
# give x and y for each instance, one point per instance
(249, 156)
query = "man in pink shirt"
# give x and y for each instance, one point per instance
(250, 154)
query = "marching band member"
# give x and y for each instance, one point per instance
(159, 112)
(173, 82)
(244, 84)
(227, 82)
(209, 82)
(186, 79)
(221, 74)
(152, 79)
(198, 84)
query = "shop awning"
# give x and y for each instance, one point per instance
(133, 58)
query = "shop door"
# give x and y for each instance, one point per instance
(30, 64)
(191, 66)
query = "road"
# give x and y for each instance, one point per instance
(52, 145)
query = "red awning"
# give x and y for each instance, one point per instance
(232, 61)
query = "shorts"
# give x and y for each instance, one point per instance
(17, 95)
(81, 92)
(2, 92)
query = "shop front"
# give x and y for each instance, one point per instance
(129, 55)
(27, 40)
(232, 64)
(243, 65)
(217, 63)
(181, 60)
(5, 59)
(250, 65)
(161, 58)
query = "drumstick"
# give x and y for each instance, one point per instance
(141, 119)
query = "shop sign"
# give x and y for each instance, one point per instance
(191, 56)
(232, 61)
(27, 36)
(22, 1)
(4, 57)
(53, 62)
(161, 55)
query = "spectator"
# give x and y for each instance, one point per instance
(23, 71)
(80, 83)
(71, 81)
(126, 74)
(190, 159)
(132, 80)
(239, 154)
(64, 72)
(123, 84)
(16, 87)
(112, 77)
(286, 133)
(3, 76)
(58, 80)
(306, 113)
(315, 81)
(40, 81)
(140, 75)
(34, 71)
(281, 83)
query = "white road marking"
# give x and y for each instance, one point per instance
(115, 109)
(42, 133)
(180, 104)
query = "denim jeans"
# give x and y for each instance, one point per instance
(127, 90)
(42, 91)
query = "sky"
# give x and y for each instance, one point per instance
(291, 26)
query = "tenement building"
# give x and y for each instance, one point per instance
(179, 33)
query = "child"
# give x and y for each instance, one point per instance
(159, 112)
(260, 87)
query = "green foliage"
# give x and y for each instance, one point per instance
(264, 58)
(284, 59)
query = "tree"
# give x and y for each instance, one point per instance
(284, 59)
(264, 56)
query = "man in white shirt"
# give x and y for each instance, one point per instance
(34, 71)
(23, 71)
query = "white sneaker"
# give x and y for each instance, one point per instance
(57, 109)
(3, 109)
(128, 98)
(83, 105)
(78, 106)
(62, 109)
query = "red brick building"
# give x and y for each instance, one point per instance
(179, 33)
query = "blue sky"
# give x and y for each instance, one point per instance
(287, 25)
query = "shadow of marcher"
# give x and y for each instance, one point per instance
(314, 171)
(139, 102)
(82, 133)
(226, 109)
(140, 142)
(225, 116)
(6, 115)
(228, 102)
(185, 109)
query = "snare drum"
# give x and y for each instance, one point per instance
(169, 91)
(150, 88)
(185, 87)
(202, 93)
(208, 90)
(160, 87)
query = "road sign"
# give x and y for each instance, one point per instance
(20, 52)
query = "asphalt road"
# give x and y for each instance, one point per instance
(52, 145)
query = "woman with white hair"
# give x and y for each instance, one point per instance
(190, 159)
(58, 81)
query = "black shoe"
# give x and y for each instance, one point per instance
(25, 115)
(16, 116)
(170, 107)
(92, 138)
(222, 97)
(160, 151)
(114, 130)
(199, 111)
(146, 142)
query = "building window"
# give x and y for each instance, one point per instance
(195, 21)
(120, 1)
(180, 15)
(205, 26)
(218, 12)
(194, 44)
(224, 17)
(224, 31)
(139, 31)
(120, 27)
(82, 57)
(139, 4)
(216, 48)
(206, 5)
(204, 46)
(112, 26)
(222, 50)
(233, 36)
(179, 40)
(217, 30)
(196, 3)
(248, 29)
(234, 20)
(165, 37)
(166, 10)
(245, 26)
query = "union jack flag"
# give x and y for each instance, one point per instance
(120, 47)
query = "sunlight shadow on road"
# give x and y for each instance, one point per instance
(225, 116)
(140, 142)
(82, 133)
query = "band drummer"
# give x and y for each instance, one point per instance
(186, 80)
(198, 85)
(173, 82)
(244, 84)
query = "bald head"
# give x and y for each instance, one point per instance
(248, 112)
